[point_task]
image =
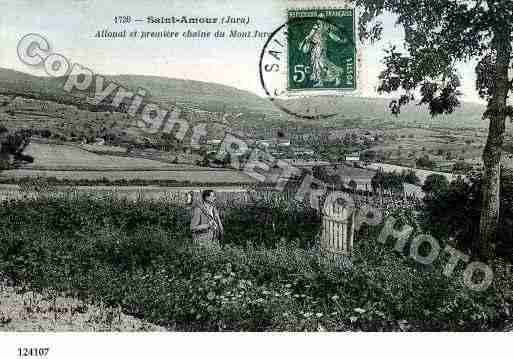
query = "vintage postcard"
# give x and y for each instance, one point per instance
(253, 166)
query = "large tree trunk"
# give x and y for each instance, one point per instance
(490, 209)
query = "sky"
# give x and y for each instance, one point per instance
(70, 26)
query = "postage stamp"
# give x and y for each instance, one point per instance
(321, 49)
(311, 62)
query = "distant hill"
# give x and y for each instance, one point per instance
(374, 113)
(194, 95)
(22, 84)
(257, 112)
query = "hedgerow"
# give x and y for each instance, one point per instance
(268, 275)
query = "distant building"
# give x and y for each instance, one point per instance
(353, 157)
(213, 145)
(99, 141)
(264, 143)
(304, 152)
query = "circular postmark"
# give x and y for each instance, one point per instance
(309, 63)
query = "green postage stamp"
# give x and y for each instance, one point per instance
(321, 49)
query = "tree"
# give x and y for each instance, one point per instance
(390, 181)
(369, 155)
(12, 146)
(424, 162)
(353, 185)
(435, 183)
(377, 181)
(324, 174)
(410, 177)
(438, 35)
(393, 182)
(461, 166)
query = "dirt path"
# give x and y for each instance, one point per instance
(48, 312)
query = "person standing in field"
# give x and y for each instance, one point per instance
(206, 226)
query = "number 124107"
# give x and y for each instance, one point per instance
(33, 352)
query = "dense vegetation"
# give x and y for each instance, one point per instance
(393, 181)
(453, 210)
(268, 276)
(12, 145)
(43, 183)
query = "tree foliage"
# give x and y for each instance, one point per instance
(435, 183)
(461, 166)
(389, 181)
(440, 34)
(424, 162)
(326, 175)
(409, 176)
(12, 146)
(453, 210)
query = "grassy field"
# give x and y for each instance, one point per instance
(73, 163)
(67, 157)
(421, 174)
(444, 146)
(269, 275)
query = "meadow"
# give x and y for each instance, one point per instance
(270, 274)
(85, 165)
(84, 157)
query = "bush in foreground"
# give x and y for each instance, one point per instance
(139, 256)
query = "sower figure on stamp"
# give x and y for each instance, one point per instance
(206, 226)
(316, 42)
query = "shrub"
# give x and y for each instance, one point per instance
(138, 255)
(424, 162)
(461, 166)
